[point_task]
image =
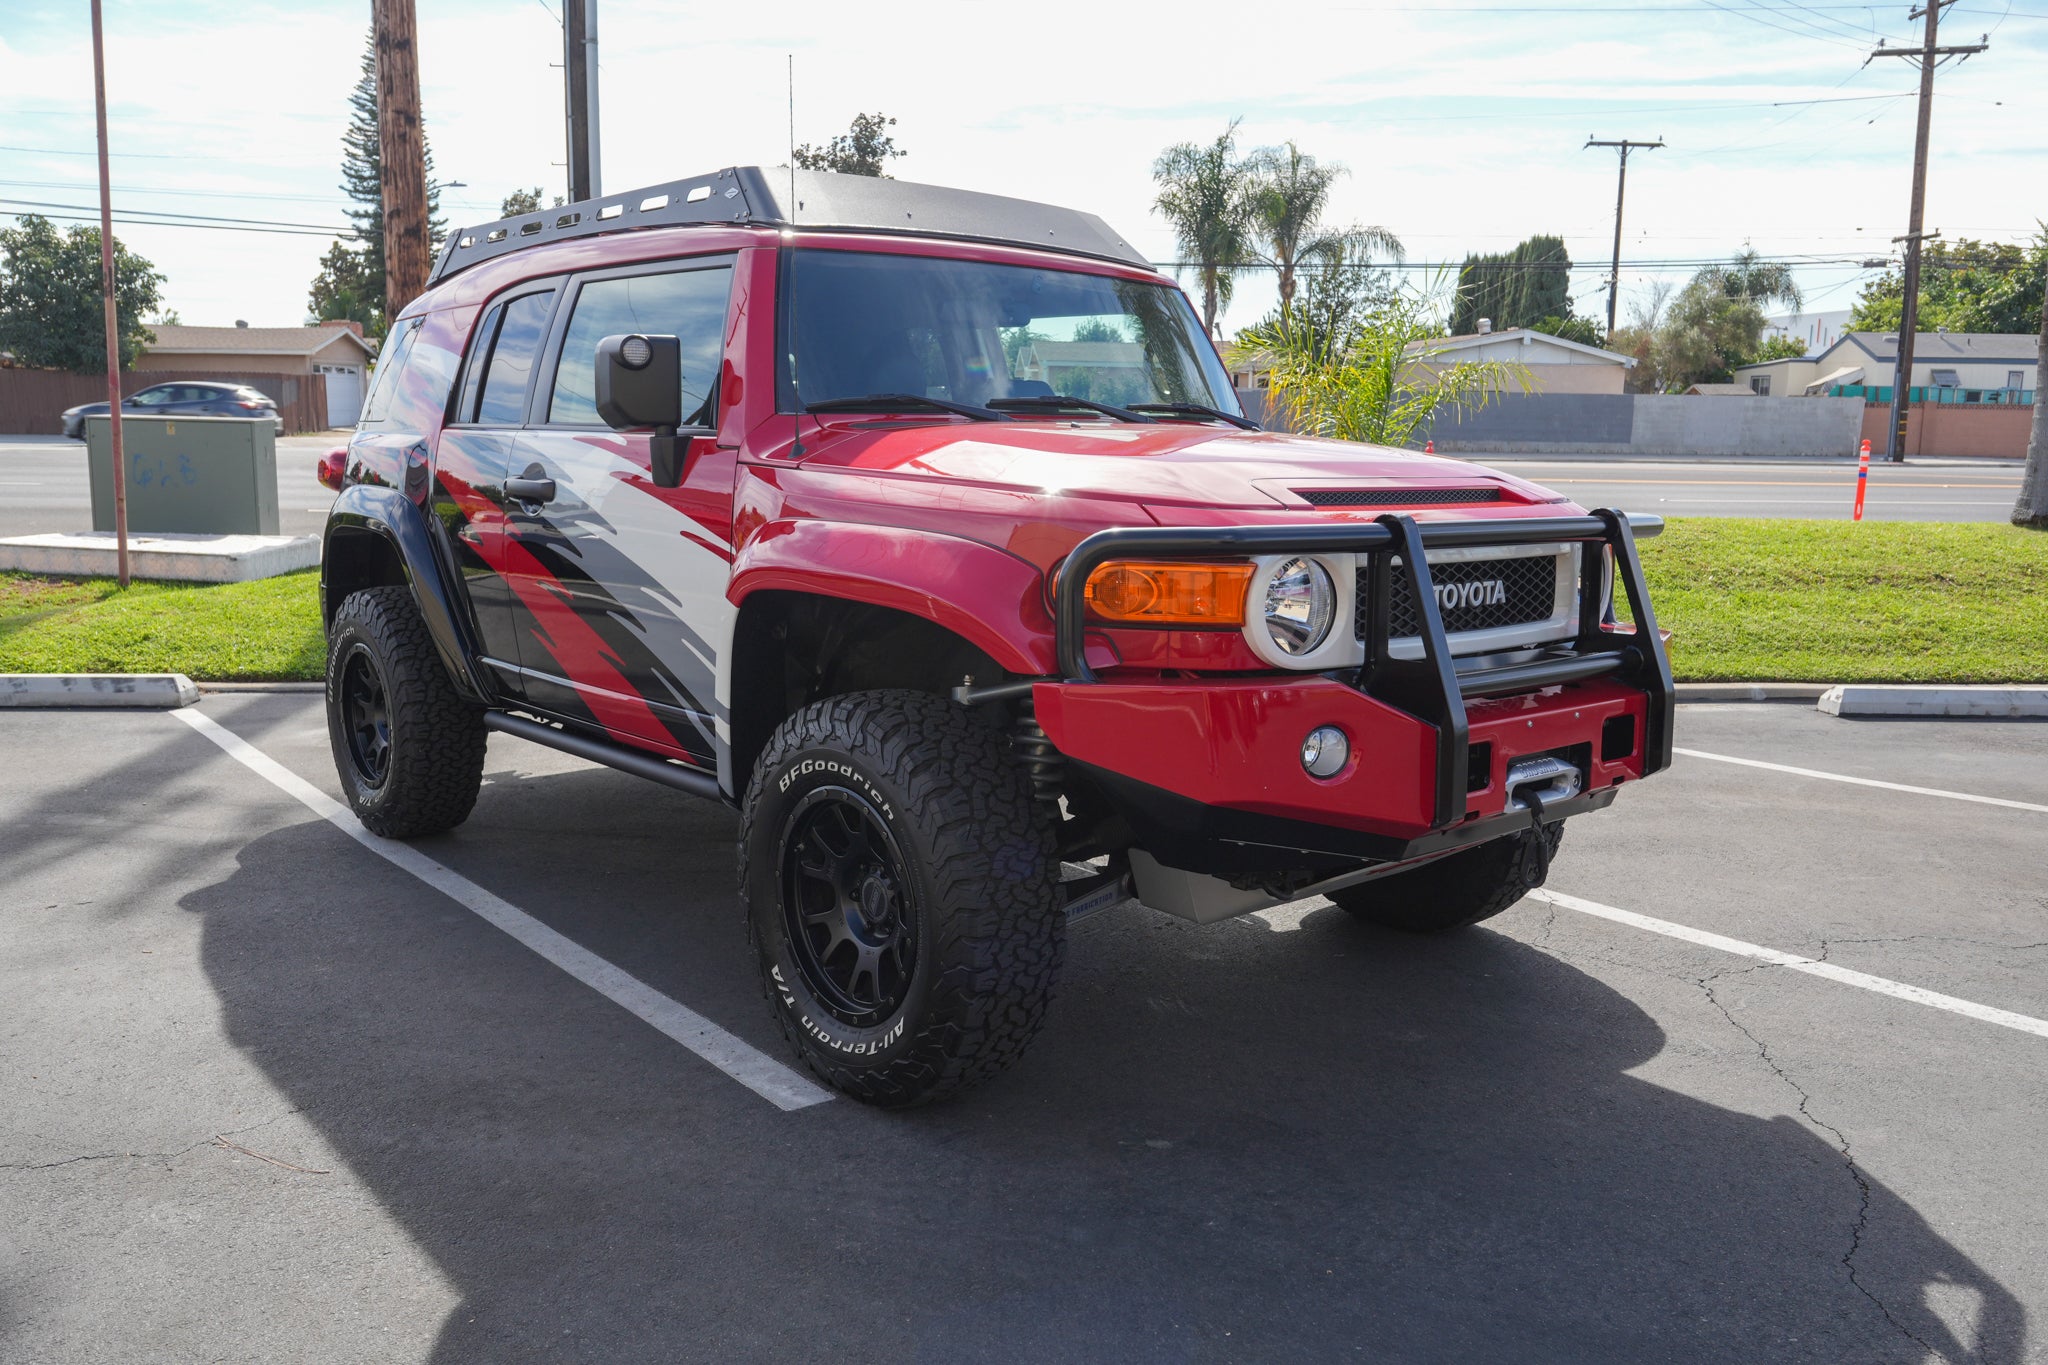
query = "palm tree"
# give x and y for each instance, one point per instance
(1205, 196)
(1750, 278)
(1287, 217)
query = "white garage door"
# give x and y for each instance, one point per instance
(344, 394)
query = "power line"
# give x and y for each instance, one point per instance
(153, 156)
(194, 217)
(151, 222)
(179, 191)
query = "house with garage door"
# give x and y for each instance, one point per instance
(334, 352)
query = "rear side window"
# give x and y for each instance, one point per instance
(686, 304)
(522, 325)
(397, 347)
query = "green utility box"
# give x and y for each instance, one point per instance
(206, 475)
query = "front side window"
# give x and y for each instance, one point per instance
(156, 397)
(861, 323)
(686, 304)
(520, 332)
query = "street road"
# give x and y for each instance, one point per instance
(271, 1096)
(43, 486)
(1947, 491)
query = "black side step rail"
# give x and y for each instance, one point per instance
(695, 781)
(1430, 688)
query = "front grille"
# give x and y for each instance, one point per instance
(1394, 497)
(1528, 592)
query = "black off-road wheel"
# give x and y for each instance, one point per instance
(901, 891)
(408, 748)
(1453, 892)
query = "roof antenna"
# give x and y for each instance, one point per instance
(796, 449)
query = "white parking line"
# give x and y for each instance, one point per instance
(1898, 990)
(1863, 781)
(754, 1069)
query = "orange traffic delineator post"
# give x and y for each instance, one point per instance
(1862, 479)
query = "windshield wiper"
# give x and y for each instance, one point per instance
(1198, 410)
(889, 402)
(1053, 402)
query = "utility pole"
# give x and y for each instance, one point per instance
(1929, 55)
(579, 74)
(99, 100)
(1621, 192)
(402, 148)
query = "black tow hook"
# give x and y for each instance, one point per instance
(1536, 864)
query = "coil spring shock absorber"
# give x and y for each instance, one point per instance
(1044, 764)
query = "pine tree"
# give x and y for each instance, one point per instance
(351, 279)
(362, 168)
(1515, 288)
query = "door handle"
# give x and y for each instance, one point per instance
(530, 490)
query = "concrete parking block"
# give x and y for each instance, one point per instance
(180, 556)
(1870, 699)
(98, 691)
(1750, 691)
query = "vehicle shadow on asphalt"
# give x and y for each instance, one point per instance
(1228, 1144)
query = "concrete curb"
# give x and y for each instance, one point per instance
(2002, 703)
(205, 686)
(96, 691)
(167, 555)
(1750, 691)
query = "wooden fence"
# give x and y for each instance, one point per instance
(32, 401)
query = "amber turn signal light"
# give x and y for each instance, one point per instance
(1169, 593)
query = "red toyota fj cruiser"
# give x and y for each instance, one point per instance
(924, 527)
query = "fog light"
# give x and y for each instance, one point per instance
(1325, 752)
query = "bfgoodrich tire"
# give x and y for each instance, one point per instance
(1452, 892)
(409, 750)
(902, 895)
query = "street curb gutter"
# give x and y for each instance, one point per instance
(1750, 691)
(262, 686)
(96, 691)
(2002, 703)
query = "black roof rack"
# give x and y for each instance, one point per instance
(824, 200)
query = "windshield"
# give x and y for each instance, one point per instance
(971, 332)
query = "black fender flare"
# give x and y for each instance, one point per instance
(387, 513)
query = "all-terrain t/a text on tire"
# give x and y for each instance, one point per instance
(901, 893)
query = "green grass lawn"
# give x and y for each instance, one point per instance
(1812, 601)
(1835, 601)
(267, 630)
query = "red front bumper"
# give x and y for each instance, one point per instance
(1235, 746)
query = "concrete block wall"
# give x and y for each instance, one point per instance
(1653, 424)
(1641, 424)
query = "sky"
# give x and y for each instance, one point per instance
(1462, 125)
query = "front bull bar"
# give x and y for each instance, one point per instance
(1430, 688)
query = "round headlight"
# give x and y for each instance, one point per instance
(1301, 603)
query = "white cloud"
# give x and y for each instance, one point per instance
(1462, 126)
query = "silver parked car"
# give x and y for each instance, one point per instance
(184, 398)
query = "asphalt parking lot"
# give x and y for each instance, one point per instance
(272, 1096)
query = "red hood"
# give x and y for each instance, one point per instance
(1172, 467)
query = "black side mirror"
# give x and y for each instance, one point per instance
(640, 384)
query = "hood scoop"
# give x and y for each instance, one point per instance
(1394, 497)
